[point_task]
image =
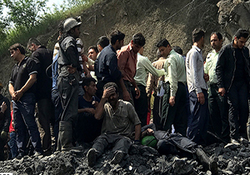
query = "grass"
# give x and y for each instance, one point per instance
(21, 35)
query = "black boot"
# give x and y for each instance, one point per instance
(207, 163)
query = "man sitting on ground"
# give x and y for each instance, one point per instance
(120, 121)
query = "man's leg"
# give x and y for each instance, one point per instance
(45, 113)
(232, 98)
(198, 121)
(20, 129)
(215, 120)
(27, 108)
(157, 112)
(141, 106)
(243, 109)
(180, 119)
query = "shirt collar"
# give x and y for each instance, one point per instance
(197, 48)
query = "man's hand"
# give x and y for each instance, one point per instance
(206, 77)
(201, 98)
(222, 91)
(172, 100)
(3, 107)
(126, 96)
(71, 69)
(13, 95)
(137, 93)
(107, 92)
(19, 95)
(90, 110)
(4, 135)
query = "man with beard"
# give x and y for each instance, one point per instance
(120, 125)
(233, 80)
(197, 87)
(216, 103)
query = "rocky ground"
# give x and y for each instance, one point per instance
(141, 160)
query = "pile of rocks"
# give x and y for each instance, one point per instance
(141, 160)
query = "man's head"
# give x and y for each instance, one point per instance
(198, 37)
(113, 98)
(17, 51)
(137, 42)
(216, 41)
(33, 44)
(164, 47)
(72, 27)
(178, 50)
(102, 42)
(240, 38)
(89, 86)
(117, 39)
(92, 52)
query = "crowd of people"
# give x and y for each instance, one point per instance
(106, 98)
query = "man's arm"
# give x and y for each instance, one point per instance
(149, 67)
(12, 91)
(137, 131)
(194, 58)
(220, 71)
(100, 108)
(29, 83)
(89, 110)
(172, 70)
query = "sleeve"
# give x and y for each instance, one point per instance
(194, 71)
(173, 80)
(73, 57)
(33, 66)
(122, 60)
(113, 68)
(133, 117)
(220, 68)
(148, 66)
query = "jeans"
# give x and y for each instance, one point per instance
(24, 121)
(13, 145)
(198, 120)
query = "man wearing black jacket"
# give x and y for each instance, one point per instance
(43, 94)
(232, 71)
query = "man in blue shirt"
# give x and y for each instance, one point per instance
(106, 68)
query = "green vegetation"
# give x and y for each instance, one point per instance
(19, 29)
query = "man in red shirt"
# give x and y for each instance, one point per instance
(127, 58)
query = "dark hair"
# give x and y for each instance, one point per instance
(111, 84)
(138, 39)
(33, 41)
(178, 49)
(94, 48)
(197, 34)
(163, 43)
(219, 35)
(17, 46)
(86, 81)
(103, 41)
(241, 33)
(116, 35)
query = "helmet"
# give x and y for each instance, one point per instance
(69, 24)
(149, 141)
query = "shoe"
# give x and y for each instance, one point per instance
(213, 167)
(243, 140)
(36, 153)
(91, 155)
(235, 142)
(20, 155)
(117, 157)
